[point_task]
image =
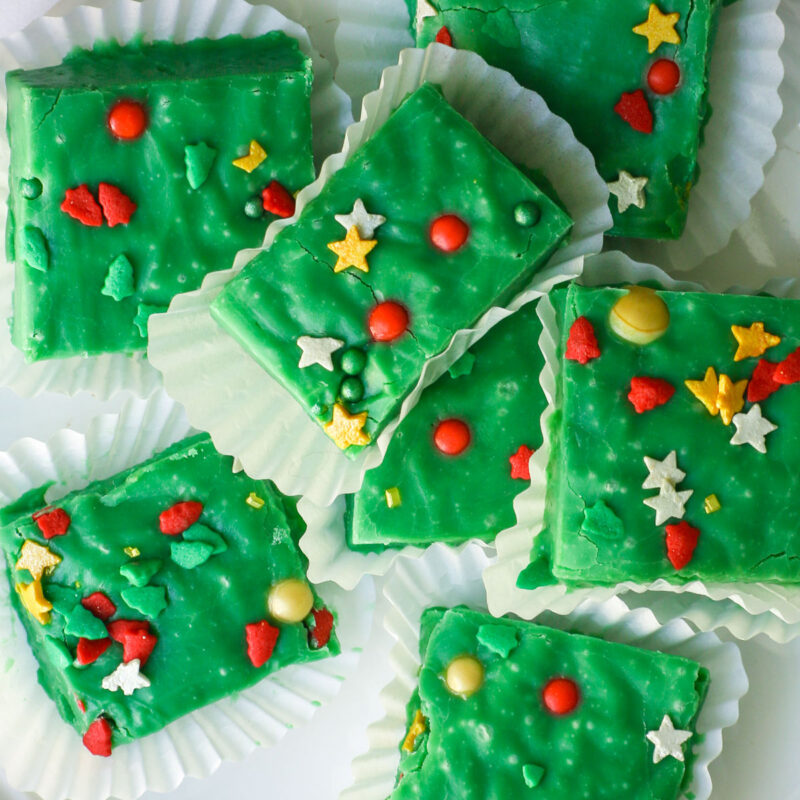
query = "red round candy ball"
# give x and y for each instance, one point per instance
(560, 696)
(452, 437)
(388, 321)
(664, 76)
(127, 119)
(449, 232)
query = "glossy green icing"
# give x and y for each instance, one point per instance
(455, 498)
(478, 748)
(597, 528)
(426, 160)
(204, 94)
(201, 654)
(581, 55)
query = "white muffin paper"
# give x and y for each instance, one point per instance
(745, 74)
(45, 42)
(443, 578)
(39, 752)
(776, 608)
(247, 412)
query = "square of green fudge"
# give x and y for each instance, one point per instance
(674, 441)
(162, 589)
(423, 229)
(507, 708)
(630, 77)
(456, 462)
(123, 186)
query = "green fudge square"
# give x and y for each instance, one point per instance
(349, 342)
(584, 58)
(420, 494)
(194, 628)
(88, 277)
(672, 491)
(560, 716)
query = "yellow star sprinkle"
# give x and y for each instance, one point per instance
(132, 552)
(37, 559)
(659, 28)
(347, 429)
(711, 504)
(352, 251)
(34, 601)
(706, 391)
(249, 162)
(753, 341)
(730, 399)
(417, 728)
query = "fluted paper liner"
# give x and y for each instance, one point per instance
(514, 545)
(443, 578)
(247, 412)
(45, 42)
(39, 752)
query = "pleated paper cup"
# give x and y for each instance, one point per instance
(45, 42)
(778, 607)
(39, 752)
(442, 578)
(745, 73)
(247, 412)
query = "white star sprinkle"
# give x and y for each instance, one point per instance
(668, 741)
(362, 219)
(629, 191)
(318, 351)
(126, 677)
(660, 471)
(668, 503)
(751, 428)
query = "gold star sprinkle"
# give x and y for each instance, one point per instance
(417, 728)
(35, 602)
(352, 251)
(659, 28)
(347, 429)
(249, 162)
(730, 400)
(131, 552)
(706, 391)
(37, 559)
(753, 341)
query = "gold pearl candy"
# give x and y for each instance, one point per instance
(464, 676)
(290, 600)
(640, 316)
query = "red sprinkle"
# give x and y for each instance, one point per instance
(449, 233)
(452, 437)
(53, 523)
(664, 76)
(117, 206)
(681, 542)
(320, 634)
(97, 740)
(561, 696)
(788, 371)
(387, 321)
(135, 637)
(277, 200)
(89, 650)
(519, 463)
(649, 393)
(100, 605)
(261, 638)
(762, 382)
(81, 705)
(582, 343)
(176, 519)
(127, 119)
(80, 204)
(633, 108)
(443, 36)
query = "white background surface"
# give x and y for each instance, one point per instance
(760, 760)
